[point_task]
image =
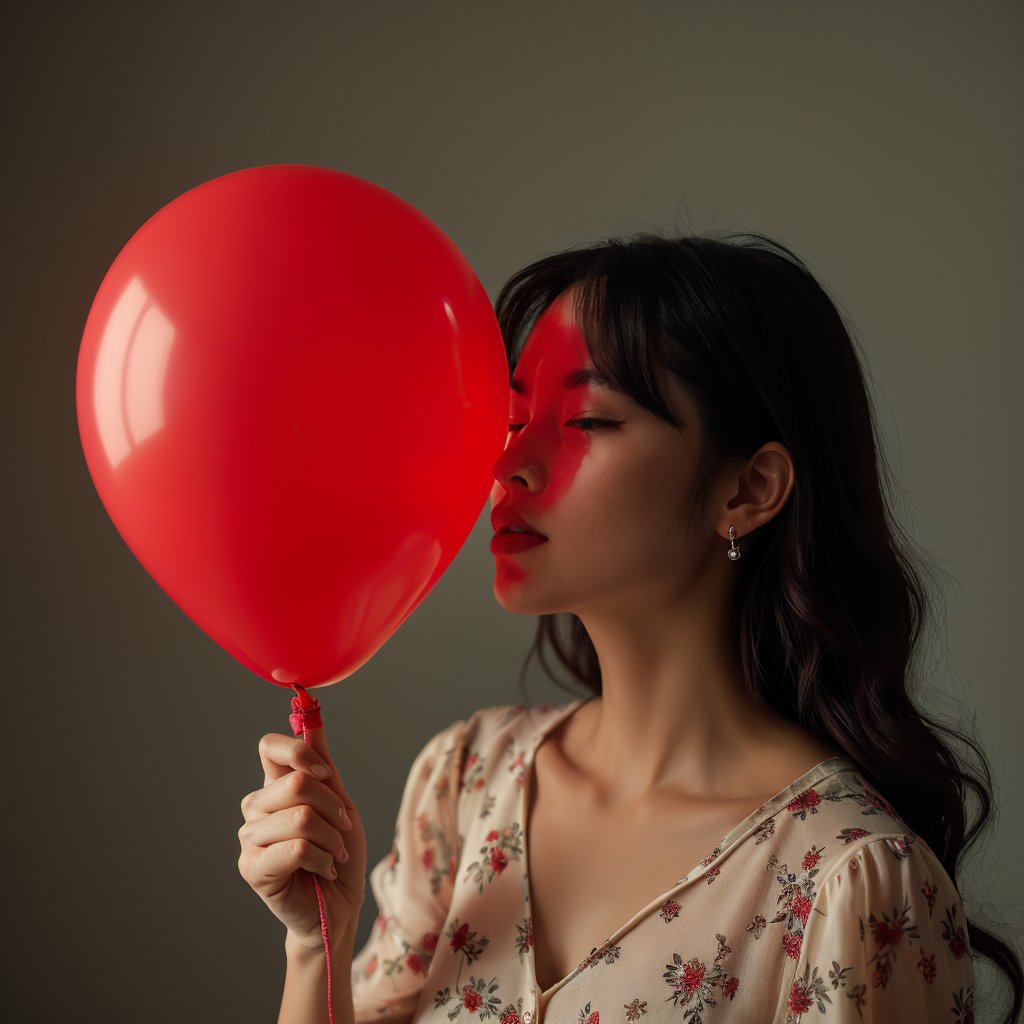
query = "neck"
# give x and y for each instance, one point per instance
(674, 715)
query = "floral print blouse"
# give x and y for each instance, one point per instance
(820, 905)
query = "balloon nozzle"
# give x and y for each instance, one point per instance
(305, 711)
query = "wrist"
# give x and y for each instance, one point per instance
(311, 949)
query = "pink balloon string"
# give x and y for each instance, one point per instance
(305, 716)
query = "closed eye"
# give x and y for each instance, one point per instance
(513, 427)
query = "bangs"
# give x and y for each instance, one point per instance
(616, 307)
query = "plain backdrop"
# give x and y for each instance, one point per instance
(881, 141)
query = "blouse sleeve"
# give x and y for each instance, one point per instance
(412, 885)
(886, 940)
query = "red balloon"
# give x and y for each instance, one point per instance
(291, 394)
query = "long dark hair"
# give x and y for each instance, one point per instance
(830, 605)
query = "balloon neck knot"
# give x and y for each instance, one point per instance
(305, 711)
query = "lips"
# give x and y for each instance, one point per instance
(504, 517)
(513, 543)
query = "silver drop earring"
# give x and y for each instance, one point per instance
(734, 551)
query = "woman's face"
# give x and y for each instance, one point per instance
(600, 477)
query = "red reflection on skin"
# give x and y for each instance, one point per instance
(545, 448)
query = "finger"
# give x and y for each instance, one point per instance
(279, 860)
(301, 822)
(293, 790)
(280, 754)
(318, 747)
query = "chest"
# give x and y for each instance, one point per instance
(590, 872)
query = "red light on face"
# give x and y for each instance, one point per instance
(554, 351)
(513, 543)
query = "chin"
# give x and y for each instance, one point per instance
(512, 602)
(515, 597)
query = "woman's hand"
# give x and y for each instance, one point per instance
(293, 826)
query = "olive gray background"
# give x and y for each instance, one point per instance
(881, 141)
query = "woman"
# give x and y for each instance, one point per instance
(747, 819)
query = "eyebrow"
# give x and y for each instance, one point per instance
(573, 379)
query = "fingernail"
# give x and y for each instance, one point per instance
(346, 821)
(320, 771)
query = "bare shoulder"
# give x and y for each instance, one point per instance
(786, 759)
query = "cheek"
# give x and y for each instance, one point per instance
(630, 499)
(567, 459)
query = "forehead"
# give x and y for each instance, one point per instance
(555, 348)
(555, 360)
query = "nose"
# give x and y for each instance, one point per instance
(519, 462)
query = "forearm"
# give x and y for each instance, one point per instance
(304, 1000)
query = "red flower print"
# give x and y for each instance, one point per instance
(802, 907)
(478, 784)
(929, 891)
(954, 933)
(807, 801)
(471, 760)
(712, 874)
(500, 849)
(414, 962)
(886, 933)
(811, 858)
(927, 966)
(693, 974)
(459, 938)
(371, 967)
(471, 999)
(429, 941)
(380, 923)
(693, 983)
(799, 999)
(510, 1016)
(428, 858)
(669, 910)
(791, 944)
(729, 988)
(849, 835)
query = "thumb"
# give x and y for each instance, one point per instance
(316, 740)
(305, 721)
(318, 745)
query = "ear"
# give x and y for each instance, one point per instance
(760, 490)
